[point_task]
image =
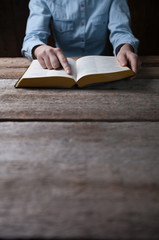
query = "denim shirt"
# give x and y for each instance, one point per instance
(80, 27)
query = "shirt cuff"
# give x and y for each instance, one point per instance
(32, 51)
(27, 49)
(119, 47)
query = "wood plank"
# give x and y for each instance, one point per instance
(18, 62)
(148, 73)
(13, 67)
(12, 73)
(150, 59)
(123, 103)
(153, 63)
(79, 180)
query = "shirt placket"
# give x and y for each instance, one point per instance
(82, 32)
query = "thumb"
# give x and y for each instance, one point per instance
(122, 59)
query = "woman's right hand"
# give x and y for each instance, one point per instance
(51, 58)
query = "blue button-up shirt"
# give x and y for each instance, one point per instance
(80, 27)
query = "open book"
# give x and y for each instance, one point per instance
(84, 71)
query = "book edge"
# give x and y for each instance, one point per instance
(107, 77)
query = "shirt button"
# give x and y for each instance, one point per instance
(82, 40)
(82, 24)
(82, 5)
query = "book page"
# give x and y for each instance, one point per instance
(36, 71)
(97, 64)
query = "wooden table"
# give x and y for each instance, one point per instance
(80, 163)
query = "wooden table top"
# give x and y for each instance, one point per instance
(80, 163)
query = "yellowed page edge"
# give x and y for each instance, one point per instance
(101, 78)
(36, 73)
(46, 82)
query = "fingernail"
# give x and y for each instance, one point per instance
(68, 71)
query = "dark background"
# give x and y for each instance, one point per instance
(14, 13)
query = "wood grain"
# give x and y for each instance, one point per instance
(79, 180)
(76, 104)
(13, 67)
(79, 163)
(149, 60)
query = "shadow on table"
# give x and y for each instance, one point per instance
(135, 85)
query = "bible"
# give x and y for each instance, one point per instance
(84, 71)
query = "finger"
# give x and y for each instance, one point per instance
(63, 61)
(54, 62)
(122, 59)
(48, 64)
(138, 67)
(42, 62)
(133, 61)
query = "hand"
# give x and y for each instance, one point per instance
(51, 58)
(127, 57)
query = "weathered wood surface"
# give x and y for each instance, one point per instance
(82, 180)
(13, 67)
(80, 163)
(129, 100)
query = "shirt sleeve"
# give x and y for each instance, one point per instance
(119, 25)
(37, 29)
